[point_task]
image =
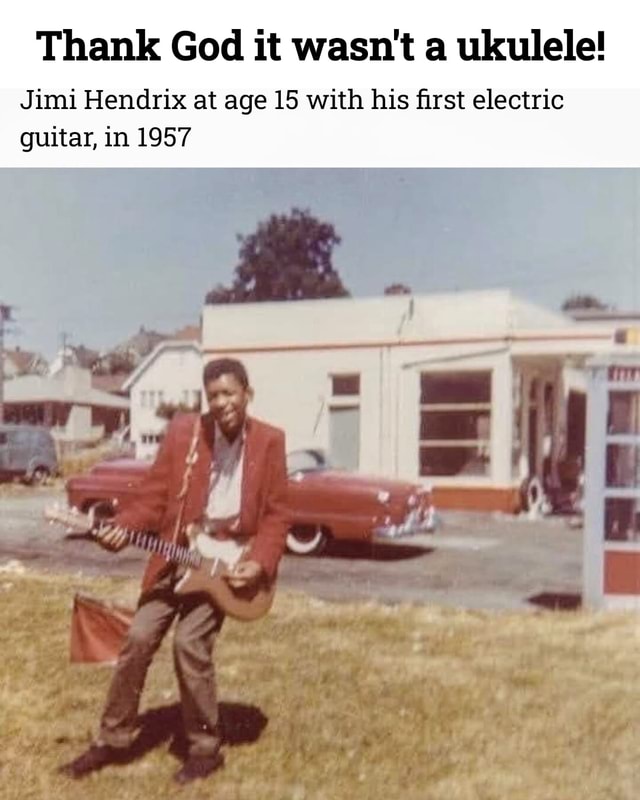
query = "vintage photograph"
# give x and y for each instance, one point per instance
(320, 483)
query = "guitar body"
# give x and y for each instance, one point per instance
(247, 604)
(208, 560)
(218, 557)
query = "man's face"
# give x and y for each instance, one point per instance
(228, 399)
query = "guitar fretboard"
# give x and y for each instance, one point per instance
(168, 550)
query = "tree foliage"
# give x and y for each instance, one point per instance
(289, 257)
(115, 363)
(397, 288)
(586, 301)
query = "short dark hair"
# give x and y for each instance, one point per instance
(225, 366)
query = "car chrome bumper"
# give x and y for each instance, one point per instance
(416, 521)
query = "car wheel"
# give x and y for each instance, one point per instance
(39, 476)
(306, 540)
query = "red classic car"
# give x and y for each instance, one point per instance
(324, 503)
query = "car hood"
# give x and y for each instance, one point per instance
(356, 481)
(131, 466)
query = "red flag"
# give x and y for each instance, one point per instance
(98, 630)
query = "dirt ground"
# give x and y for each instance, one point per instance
(477, 561)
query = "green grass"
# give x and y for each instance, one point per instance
(329, 701)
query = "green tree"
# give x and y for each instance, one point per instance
(115, 363)
(576, 301)
(397, 288)
(289, 257)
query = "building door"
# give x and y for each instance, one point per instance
(344, 437)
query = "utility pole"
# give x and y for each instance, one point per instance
(5, 316)
(64, 342)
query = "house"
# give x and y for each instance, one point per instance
(169, 378)
(66, 403)
(22, 362)
(466, 391)
(77, 356)
(128, 355)
(605, 318)
(113, 384)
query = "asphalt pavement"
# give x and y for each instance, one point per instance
(475, 561)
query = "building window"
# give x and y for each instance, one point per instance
(152, 399)
(342, 385)
(151, 438)
(143, 398)
(455, 423)
(197, 399)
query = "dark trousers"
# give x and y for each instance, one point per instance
(198, 621)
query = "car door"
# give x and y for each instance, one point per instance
(4, 452)
(19, 449)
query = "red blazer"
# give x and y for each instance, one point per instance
(263, 512)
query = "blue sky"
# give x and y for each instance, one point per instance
(97, 253)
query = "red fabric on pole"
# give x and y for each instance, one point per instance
(98, 630)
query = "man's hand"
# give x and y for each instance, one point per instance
(111, 537)
(244, 574)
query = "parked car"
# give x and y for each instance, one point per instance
(327, 503)
(324, 503)
(27, 452)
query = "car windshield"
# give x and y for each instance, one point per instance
(306, 461)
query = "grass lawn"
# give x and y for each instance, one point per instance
(359, 701)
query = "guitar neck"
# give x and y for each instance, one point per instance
(175, 553)
(143, 540)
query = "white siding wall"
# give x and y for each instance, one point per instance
(293, 391)
(173, 370)
(292, 349)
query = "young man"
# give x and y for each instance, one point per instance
(228, 470)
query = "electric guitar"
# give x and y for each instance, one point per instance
(206, 562)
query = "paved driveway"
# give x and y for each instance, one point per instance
(473, 560)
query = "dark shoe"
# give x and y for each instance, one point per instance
(93, 759)
(196, 767)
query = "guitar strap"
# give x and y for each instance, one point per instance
(190, 460)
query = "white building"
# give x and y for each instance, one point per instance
(66, 403)
(170, 376)
(463, 390)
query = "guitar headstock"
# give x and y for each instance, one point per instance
(71, 517)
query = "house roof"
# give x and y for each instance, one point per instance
(22, 359)
(189, 333)
(603, 314)
(455, 319)
(54, 388)
(161, 348)
(109, 383)
(84, 356)
(391, 318)
(141, 342)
